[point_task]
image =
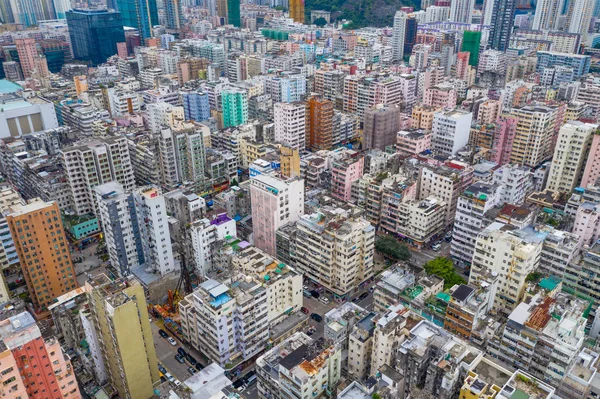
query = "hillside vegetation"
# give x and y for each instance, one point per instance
(361, 12)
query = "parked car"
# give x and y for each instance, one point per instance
(191, 359)
(363, 295)
(372, 289)
(304, 310)
(191, 370)
(324, 300)
(316, 317)
(177, 383)
(355, 300)
(315, 294)
(172, 341)
(161, 368)
(162, 333)
(181, 351)
(248, 376)
(179, 358)
(436, 247)
(306, 293)
(238, 383)
(199, 366)
(169, 377)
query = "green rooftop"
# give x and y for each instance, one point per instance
(6, 86)
(549, 283)
(518, 394)
(442, 296)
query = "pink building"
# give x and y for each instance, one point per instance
(31, 366)
(504, 136)
(28, 55)
(122, 50)
(441, 97)
(413, 141)
(592, 165)
(587, 223)
(462, 65)
(343, 173)
(275, 202)
(489, 112)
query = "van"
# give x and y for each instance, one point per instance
(324, 300)
(306, 293)
(251, 380)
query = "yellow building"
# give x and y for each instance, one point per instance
(297, 10)
(41, 244)
(81, 84)
(290, 162)
(120, 317)
(422, 116)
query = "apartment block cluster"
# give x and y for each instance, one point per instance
(218, 166)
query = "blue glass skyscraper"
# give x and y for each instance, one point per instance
(94, 34)
(139, 14)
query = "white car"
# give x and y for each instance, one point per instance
(172, 341)
(169, 377)
(177, 383)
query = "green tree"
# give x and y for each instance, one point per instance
(320, 22)
(390, 247)
(443, 268)
(234, 182)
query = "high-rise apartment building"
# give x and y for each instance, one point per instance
(461, 11)
(234, 103)
(512, 254)
(547, 13)
(9, 259)
(534, 134)
(450, 131)
(226, 322)
(27, 50)
(120, 318)
(33, 366)
(579, 15)
(95, 162)
(139, 14)
(95, 34)
(381, 126)
(38, 233)
(446, 182)
(182, 156)
(174, 14)
(344, 172)
(290, 368)
(163, 115)
(275, 202)
(135, 228)
(398, 33)
(195, 105)
(290, 125)
(579, 62)
(592, 163)
(503, 18)
(297, 10)
(537, 325)
(570, 154)
(326, 243)
(469, 221)
(319, 123)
